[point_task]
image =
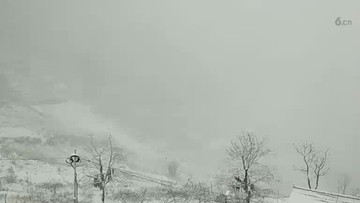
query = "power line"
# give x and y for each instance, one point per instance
(30, 159)
(142, 176)
(148, 178)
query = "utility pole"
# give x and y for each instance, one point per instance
(73, 160)
(75, 184)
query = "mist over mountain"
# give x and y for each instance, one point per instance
(177, 81)
(53, 115)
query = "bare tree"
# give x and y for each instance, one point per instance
(306, 151)
(320, 166)
(315, 162)
(104, 161)
(343, 183)
(172, 169)
(247, 151)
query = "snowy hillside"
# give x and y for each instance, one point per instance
(33, 152)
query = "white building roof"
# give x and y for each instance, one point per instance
(304, 195)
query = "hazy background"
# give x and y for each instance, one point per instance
(185, 77)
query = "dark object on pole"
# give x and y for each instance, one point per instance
(73, 160)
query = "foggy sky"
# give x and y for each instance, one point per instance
(186, 77)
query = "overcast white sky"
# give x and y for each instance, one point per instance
(187, 76)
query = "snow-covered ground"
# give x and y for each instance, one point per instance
(301, 195)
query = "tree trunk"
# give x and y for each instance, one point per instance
(246, 187)
(248, 197)
(317, 181)
(103, 195)
(309, 183)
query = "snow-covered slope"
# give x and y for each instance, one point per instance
(301, 195)
(34, 143)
